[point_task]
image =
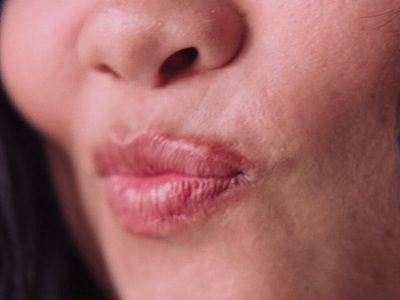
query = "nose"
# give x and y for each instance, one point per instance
(153, 41)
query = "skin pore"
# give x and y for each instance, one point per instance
(307, 91)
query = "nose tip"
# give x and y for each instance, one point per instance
(153, 41)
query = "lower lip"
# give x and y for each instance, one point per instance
(165, 204)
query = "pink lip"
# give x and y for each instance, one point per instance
(158, 183)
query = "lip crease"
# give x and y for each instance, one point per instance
(159, 183)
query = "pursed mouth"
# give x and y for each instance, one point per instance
(152, 153)
(158, 184)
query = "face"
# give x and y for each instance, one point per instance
(239, 149)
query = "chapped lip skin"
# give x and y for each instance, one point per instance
(158, 183)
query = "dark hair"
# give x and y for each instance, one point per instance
(38, 258)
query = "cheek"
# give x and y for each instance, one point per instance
(38, 65)
(318, 93)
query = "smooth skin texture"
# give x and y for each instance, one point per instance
(306, 90)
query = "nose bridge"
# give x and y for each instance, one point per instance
(148, 40)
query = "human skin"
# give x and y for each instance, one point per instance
(307, 91)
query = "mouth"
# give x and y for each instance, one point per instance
(158, 183)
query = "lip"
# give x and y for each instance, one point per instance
(158, 183)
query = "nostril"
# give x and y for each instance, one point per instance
(106, 69)
(178, 62)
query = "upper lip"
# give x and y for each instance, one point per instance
(153, 153)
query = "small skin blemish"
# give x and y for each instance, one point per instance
(362, 66)
(377, 275)
(384, 119)
(353, 216)
(388, 234)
